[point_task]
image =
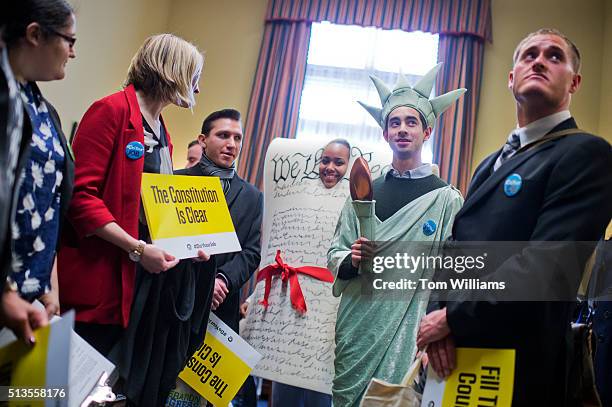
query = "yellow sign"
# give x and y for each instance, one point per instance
(38, 375)
(188, 213)
(483, 377)
(26, 366)
(220, 365)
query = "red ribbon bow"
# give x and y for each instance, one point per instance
(290, 273)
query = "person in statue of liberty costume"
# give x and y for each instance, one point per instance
(376, 335)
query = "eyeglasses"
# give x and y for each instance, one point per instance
(70, 40)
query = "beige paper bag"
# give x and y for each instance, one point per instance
(382, 394)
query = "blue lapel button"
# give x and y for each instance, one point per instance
(429, 227)
(134, 150)
(513, 184)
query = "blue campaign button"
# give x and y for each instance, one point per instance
(513, 184)
(134, 150)
(429, 227)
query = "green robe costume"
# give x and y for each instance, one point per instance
(375, 336)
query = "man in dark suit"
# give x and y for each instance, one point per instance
(536, 188)
(221, 140)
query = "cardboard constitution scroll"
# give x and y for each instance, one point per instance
(300, 217)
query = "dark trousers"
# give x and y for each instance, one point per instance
(286, 395)
(101, 336)
(247, 395)
(602, 329)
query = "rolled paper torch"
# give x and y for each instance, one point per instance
(360, 182)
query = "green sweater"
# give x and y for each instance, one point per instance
(391, 193)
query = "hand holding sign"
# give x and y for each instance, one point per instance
(20, 316)
(156, 260)
(202, 256)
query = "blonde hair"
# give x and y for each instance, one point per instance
(164, 68)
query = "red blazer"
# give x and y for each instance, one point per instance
(96, 278)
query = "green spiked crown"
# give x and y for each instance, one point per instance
(416, 97)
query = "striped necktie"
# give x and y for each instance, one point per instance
(512, 145)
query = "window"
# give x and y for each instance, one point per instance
(340, 60)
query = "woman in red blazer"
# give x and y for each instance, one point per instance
(108, 271)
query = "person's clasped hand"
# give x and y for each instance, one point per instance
(434, 332)
(361, 249)
(219, 293)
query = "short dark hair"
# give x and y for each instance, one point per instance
(423, 121)
(192, 143)
(575, 53)
(51, 15)
(424, 124)
(341, 141)
(207, 125)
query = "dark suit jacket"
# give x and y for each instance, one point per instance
(566, 195)
(245, 204)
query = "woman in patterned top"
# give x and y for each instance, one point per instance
(40, 37)
(134, 302)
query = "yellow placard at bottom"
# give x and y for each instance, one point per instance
(215, 372)
(21, 366)
(482, 377)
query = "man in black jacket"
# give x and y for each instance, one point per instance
(221, 139)
(559, 190)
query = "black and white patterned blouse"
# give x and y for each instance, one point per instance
(36, 225)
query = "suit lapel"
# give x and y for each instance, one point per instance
(485, 181)
(483, 173)
(135, 115)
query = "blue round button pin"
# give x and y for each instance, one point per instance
(513, 184)
(429, 227)
(134, 150)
